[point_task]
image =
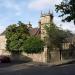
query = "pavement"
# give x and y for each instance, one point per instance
(64, 62)
(30, 64)
(37, 69)
(19, 67)
(58, 63)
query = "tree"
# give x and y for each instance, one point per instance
(33, 45)
(19, 40)
(67, 8)
(16, 35)
(10, 30)
(56, 36)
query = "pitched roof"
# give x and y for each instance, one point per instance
(70, 39)
(3, 33)
(34, 31)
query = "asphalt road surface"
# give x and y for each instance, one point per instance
(23, 69)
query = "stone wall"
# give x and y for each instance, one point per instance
(55, 56)
(3, 46)
(35, 57)
(39, 57)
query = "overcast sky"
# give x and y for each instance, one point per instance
(12, 11)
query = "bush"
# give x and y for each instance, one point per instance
(33, 45)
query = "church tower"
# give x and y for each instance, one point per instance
(45, 19)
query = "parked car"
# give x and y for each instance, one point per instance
(4, 59)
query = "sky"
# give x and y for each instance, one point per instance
(12, 11)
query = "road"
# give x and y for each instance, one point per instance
(23, 69)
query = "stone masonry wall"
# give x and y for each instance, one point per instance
(40, 57)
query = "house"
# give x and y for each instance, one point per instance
(45, 56)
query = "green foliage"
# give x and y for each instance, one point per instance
(56, 36)
(33, 45)
(16, 35)
(67, 8)
(19, 40)
(10, 30)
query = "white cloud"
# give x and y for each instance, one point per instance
(12, 5)
(53, 2)
(2, 28)
(40, 4)
(3, 23)
(65, 25)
